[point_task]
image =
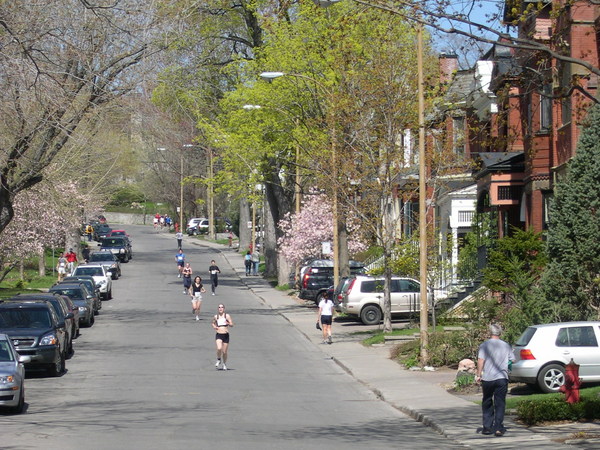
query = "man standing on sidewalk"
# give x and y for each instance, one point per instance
(493, 361)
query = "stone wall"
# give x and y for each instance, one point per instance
(128, 218)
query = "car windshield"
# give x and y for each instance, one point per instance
(97, 271)
(102, 257)
(113, 243)
(24, 318)
(5, 352)
(73, 294)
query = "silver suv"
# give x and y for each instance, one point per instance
(362, 296)
(543, 351)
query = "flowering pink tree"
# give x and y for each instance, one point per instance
(43, 216)
(305, 232)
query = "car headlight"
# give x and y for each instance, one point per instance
(83, 308)
(6, 379)
(122, 250)
(49, 339)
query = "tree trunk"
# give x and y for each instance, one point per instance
(387, 301)
(244, 233)
(42, 263)
(73, 240)
(270, 250)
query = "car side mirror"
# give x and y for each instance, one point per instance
(24, 359)
(69, 315)
(61, 324)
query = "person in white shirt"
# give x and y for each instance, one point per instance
(325, 317)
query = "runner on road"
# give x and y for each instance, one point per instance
(180, 260)
(187, 277)
(214, 276)
(221, 323)
(196, 290)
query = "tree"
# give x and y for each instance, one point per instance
(61, 62)
(305, 232)
(572, 278)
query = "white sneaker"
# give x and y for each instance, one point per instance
(213, 293)
(224, 367)
(184, 292)
(197, 318)
(179, 276)
(217, 363)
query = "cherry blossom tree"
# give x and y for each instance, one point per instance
(304, 232)
(43, 216)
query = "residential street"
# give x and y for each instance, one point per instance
(144, 375)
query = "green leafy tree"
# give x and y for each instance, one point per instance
(572, 280)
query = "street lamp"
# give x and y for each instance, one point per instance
(331, 123)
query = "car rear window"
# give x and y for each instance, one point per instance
(526, 336)
(102, 257)
(88, 271)
(24, 318)
(372, 286)
(71, 293)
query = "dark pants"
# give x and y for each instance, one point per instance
(179, 243)
(214, 282)
(493, 404)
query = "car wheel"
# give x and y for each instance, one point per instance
(92, 320)
(370, 315)
(109, 295)
(70, 350)
(21, 405)
(551, 378)
(58, 368)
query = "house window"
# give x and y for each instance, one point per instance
(547, 198)
(458, 136)
(509, 192)
(546, 108)
(465, 216)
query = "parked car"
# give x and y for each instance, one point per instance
(543, 351)
(101, 275)
(108, 259)
(62, 309)
(36, 331)
(101, 230)
(362, 296)
(197, 225)
(118, 246)
(316, 279)
(335, 293)
(81, 297)
(90, 284)
(12, 376)
(115, 233)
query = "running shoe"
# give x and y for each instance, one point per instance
(217, 363)
(329, 341)
(197, 318)
(224, 367)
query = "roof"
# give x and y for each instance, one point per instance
(500, 162)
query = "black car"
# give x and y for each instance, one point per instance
(62, 310)
(316, 280)
(90, 284)
(79, 295)
(120, 246)
(101, 230)
(36, 331)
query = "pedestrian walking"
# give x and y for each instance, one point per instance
(71, 260)
(186, 272)
(214, 276)
(493, 361)
(179, 237)
(196, 290)
(89, 231)
(85, 252)
(255, 257)
(325, 318)
(180, 260)
(61, 267)
(221, 324)
(248, 262)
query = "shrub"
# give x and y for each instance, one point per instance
(532, 412)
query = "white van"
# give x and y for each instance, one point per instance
(362, 296)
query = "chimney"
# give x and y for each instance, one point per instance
(448, 63)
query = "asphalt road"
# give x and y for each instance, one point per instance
(143, 377)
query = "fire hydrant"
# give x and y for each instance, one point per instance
(572, 382)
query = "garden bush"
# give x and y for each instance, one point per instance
(532, 412)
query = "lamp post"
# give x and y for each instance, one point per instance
(331, 125)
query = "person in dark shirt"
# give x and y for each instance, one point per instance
(214, 276)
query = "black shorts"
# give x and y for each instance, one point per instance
(223, 337)
(181, 263)
(326, 320)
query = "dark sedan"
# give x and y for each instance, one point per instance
(79, 295)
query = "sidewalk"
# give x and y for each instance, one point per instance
(419, 394)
